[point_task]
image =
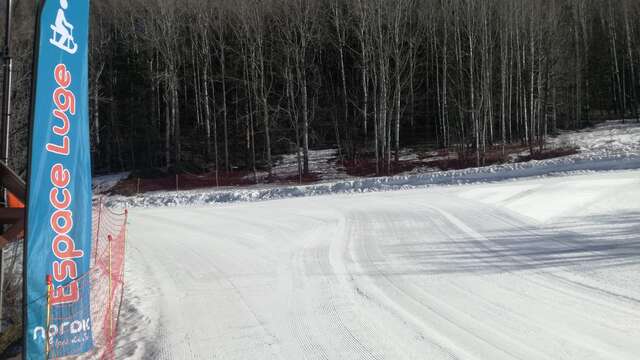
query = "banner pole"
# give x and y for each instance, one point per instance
(39, 5)
(6, 94)
(46, 331)
(6, 112)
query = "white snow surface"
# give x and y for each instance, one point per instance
(537, 260)
(611, 137)
(541, 268)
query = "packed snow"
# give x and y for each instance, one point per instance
(536, 260)
(542, 268)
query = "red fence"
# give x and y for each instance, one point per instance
(105, 280)
(184, 181)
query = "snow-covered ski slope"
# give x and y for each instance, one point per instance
(539, 260)
(536, 268)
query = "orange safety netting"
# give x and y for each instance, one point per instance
(105, 281)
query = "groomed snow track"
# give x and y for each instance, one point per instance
(527, 269)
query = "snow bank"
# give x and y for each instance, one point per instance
(569, 164)
(611, 137)
(613, 145)
(104, 183)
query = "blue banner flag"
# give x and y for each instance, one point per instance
(58, 241)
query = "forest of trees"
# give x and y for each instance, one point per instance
(225, 85)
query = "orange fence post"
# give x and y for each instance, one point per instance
(95, 252)
(123, 251)
(110, 263)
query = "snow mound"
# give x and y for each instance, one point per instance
(570, 164)
(613, 145)
(104, 183)
(611, 137)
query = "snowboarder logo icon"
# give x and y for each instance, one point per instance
(63, 31)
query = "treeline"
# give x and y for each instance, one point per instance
(225, 85)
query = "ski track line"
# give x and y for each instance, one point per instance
(460, 322)
(523, 318)
(355, 283)
(443, 344)
(555, 276)
(594, 343)
(574, 287)
(619, 297)
(317, 265)
(462, 292)
(346, 286)
(300, 322)
(180, 345)
(354, 345)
